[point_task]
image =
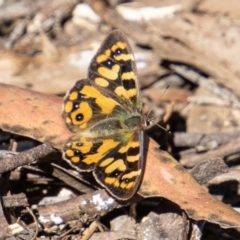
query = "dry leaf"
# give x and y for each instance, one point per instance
(38, 116)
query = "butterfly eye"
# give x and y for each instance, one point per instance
(79, 117)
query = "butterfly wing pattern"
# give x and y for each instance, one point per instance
(104, 113)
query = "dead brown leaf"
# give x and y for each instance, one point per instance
(38, 116)
(165, 177)
(32, 114)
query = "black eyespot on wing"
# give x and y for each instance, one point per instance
(109, 63)
(117, 52)
(77, 153)
(79, 117)
(75, 105)
(126, 180)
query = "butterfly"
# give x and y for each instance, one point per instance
(103, 112)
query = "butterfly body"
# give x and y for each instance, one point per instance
(104, 113)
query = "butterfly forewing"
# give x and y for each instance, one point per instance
(104, 113)
(113, 68)
(85, 106)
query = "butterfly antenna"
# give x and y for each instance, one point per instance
(162, 128)
(160, 98)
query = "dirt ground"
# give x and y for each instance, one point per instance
(187, 59)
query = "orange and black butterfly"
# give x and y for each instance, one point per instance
(104, 113)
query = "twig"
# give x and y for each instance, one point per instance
(208, 83)
(208, 169)
(70, 179)
(89, 231)
(36, 223)
(20, 10)
(199, 139)
(3, 223)
(111, 16)
(18, 31)
(15, 200)
(190, 158)
(97, 203)
(39, 153)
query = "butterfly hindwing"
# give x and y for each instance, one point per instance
(115, 161)
(84, 152)
(120, 170)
